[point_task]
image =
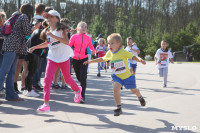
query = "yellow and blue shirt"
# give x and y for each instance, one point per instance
(119, 62)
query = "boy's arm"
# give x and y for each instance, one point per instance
(156, 60)
(137, 58)
(94, 61)
(171, 60)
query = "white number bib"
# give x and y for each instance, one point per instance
(118, 67)
(163, 62)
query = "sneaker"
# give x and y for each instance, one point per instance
(142, 101)
(43, 109)
(164, 86)
(37, 87)
(25, 92)
(77, 96)
(118, 112)
(98, 75)
(53, 86)
(32, 93)
(65, 87)
(82, 101)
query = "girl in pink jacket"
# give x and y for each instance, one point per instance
(79, 42)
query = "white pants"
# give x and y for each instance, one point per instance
(163, 72)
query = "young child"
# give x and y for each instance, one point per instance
(101, 51)
(80, 42)
(58, 56)
(132, 47)
(162, 58)
(58, 75)
(120, 72)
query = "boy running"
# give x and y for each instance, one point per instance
(162, 58)
(120, 71)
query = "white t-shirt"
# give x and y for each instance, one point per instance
(58, 52)
(163, 58)
(133, 52)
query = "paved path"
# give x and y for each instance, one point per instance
(166, 110)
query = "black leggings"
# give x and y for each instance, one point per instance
(81, 73)
(32, 65)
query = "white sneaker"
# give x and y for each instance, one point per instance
(25, 92)
(32, 94)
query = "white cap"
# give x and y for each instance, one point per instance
(52, 13)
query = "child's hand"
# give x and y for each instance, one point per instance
(143, 62)
(86, 62)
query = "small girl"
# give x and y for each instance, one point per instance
(58, 56)
(101, 51)
(80, 42)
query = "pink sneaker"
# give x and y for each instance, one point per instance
(43, 109)
(77, 96)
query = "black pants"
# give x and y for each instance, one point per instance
(33, 62)
(81, 73)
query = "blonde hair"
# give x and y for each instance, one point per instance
(104, 41)
(2, 16)
(80, 23)
(115, 36)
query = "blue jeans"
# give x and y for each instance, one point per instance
(100, 66)
(8, 68)
(38, 74)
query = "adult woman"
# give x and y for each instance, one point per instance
(13, 45)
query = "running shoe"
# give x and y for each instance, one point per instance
(65, 87)
(55, 86)
(82, 101)
(118, 112)
(43, 109)
(32, 93)
(77, 96)
(142, 101)
(98, 75)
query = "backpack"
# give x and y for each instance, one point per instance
(7, 26)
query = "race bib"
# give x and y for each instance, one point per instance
(163, 62)
(118, 67)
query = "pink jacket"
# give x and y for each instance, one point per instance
(80, 43)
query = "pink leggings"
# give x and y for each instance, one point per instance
(50, 71)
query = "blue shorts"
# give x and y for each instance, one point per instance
(133, 66)
(128, 83)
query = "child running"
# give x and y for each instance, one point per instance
(132, 47)
(120, 72)
(58, 56)
(80, 42)
(101, 51)
(162, 58)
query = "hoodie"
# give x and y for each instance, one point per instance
(80, 43)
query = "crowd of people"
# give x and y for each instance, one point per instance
(45, 42)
